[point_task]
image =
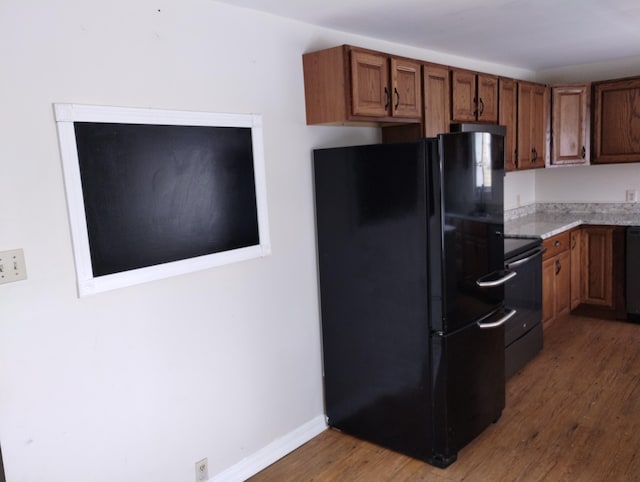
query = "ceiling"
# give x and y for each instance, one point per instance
(531, 34)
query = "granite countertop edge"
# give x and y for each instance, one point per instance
(547, 220)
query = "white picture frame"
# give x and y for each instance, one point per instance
(88, 284)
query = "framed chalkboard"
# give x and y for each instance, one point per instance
(156, 193)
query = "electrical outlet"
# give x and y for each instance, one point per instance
(632, 195)
(202, 470)
(12, 266)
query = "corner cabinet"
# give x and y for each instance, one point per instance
(616, 121)
(474, 97)
(570, 119)
(533, 110)
(347, 84)
(602, 281)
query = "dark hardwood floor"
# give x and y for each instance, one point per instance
(572, 414)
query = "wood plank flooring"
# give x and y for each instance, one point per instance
(572, 414)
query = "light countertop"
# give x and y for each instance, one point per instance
(547, 220)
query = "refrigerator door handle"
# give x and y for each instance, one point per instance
(501, 321)
(489, 280)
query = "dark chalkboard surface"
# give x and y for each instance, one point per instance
(160, 193)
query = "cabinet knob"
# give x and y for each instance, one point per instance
(556, 243)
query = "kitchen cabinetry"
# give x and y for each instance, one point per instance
(507, 116)
(556, 278)
(576, 266)
(532, 125)
(602, 272)
(616, 121)
(474, 96)
(570, 124)
(347, 84)
(436, 117)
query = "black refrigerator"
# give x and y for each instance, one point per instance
(411, 271)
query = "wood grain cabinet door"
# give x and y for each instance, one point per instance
(539, 119)
(597, 278)
(576, 266)
(436, 100)
(507, 116)
(463, 96)
(570, 124)
(616, 121)
(370, 92)
(487, 98)
(406, 97)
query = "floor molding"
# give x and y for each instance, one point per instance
(277, 449)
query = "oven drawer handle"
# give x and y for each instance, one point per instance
(495, 282)
(535, 252)
(501, 321)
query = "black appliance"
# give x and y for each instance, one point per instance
(523, 332)
(633, 273)
(411, 265)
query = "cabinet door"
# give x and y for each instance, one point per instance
(463, 95)
(570, 124)
(616, 121)
(562, 269)
(548, 291)
(507, 101)
(539, 116)
(487, 98)
(436, 100)
(576, 264)
(406, 97)
(597, 276)
(525, 147)
(370, 95)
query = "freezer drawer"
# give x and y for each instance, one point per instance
(522, 350)
(469, 390)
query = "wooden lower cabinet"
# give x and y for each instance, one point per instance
(602, 272)
(576, 264)
(556, 278)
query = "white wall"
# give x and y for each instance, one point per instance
(140, 383)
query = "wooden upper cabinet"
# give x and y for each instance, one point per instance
(507, 116)
(532, 125)
(474, 96)
(346, 84)
(616, 121)
(436, 99)
(370, 84)
(570, 124)
(406, 87)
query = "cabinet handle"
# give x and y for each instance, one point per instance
(584, 152)
(481, 106)
(475, 106)
(558, 266)
(387, 98)
(395, 91)
(573, 242)
(534, 158)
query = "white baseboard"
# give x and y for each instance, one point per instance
(277, 449)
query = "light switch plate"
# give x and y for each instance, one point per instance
(12, 266)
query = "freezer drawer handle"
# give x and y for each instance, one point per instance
(495, 282)
(501, 321)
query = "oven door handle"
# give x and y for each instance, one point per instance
(530, 255)
(500, 322)
(488, 282)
